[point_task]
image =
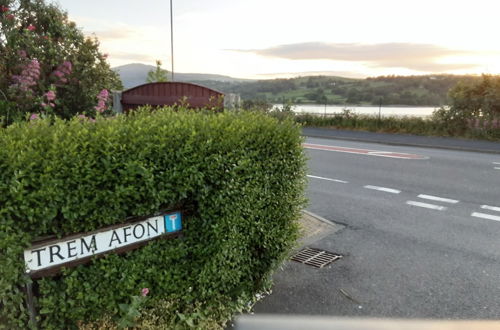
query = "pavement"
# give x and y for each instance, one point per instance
(414, 233)
(404, 139)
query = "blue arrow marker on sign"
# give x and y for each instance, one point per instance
(173, 222)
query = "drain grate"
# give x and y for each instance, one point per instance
(314, 257)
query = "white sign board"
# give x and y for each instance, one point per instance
(60, 252)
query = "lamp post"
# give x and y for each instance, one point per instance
(172, 38)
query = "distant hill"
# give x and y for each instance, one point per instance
(135, 74)
(425, 90)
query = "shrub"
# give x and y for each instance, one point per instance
(240, 175)
(47, 65)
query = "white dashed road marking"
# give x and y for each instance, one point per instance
(328, 179)
(496, 168)
(378, 153)
(485, 216)
(384, 189)
(438, 199)
(492, 208)
(428, 206)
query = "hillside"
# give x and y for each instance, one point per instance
(135, 74)
(429, 90)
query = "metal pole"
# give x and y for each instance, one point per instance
(172, 38)
(379, 111)
(31, 305)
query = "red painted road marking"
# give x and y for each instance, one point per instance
(367, 152)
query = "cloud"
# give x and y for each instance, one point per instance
(420, 57)
(115, 34)
(346, 74)
(132, 57)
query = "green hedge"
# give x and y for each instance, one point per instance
(240, 174)
(437, 125)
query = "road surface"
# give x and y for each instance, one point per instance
(421, 236)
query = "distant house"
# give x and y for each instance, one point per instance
(169, 94)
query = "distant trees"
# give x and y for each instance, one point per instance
(157, 75)
(474, 104)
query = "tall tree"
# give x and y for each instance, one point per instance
(157, 75)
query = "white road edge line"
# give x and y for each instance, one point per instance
(496, 168)
(438, 199)
(428, 206)
(496, 163)
(389, 190)
(493, 208)
(485, 216)
(328, 179)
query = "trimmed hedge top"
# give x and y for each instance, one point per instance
(240, 174)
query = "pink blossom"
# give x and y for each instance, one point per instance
(68, 66)
(28, 77)
(43, 104)
(103, 94)
(101, 106)
(31, 27)
(144, 292)
(34, 116)
(82, 116)
(50, 95)
(10, 16)
(4, 9)
(62, 71)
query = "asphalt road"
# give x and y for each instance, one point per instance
(421, 236)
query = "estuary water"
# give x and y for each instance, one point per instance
(367, 110)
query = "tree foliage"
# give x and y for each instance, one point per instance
(157, 75)
(391, 90)
(47, 65)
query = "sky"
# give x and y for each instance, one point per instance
(263, 39)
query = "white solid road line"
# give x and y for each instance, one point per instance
(328, 179)
(438, 199)
(428, 206)
(485, 216)
(493, 208)
(389, 190)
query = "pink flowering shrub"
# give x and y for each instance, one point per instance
(47, 65)
(28, 78)
(102, 99)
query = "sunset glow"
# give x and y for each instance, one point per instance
(278, 38)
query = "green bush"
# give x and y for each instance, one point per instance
(439, 124)
(241, 176)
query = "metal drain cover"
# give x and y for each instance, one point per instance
(315, 257)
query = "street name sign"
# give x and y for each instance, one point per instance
(48, 257)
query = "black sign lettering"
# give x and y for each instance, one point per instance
(56, 253)
(125, 234)
(142, 231)
(71, 248)
(114, 237)
(37, 251)
(155, 228)
(90, 248)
